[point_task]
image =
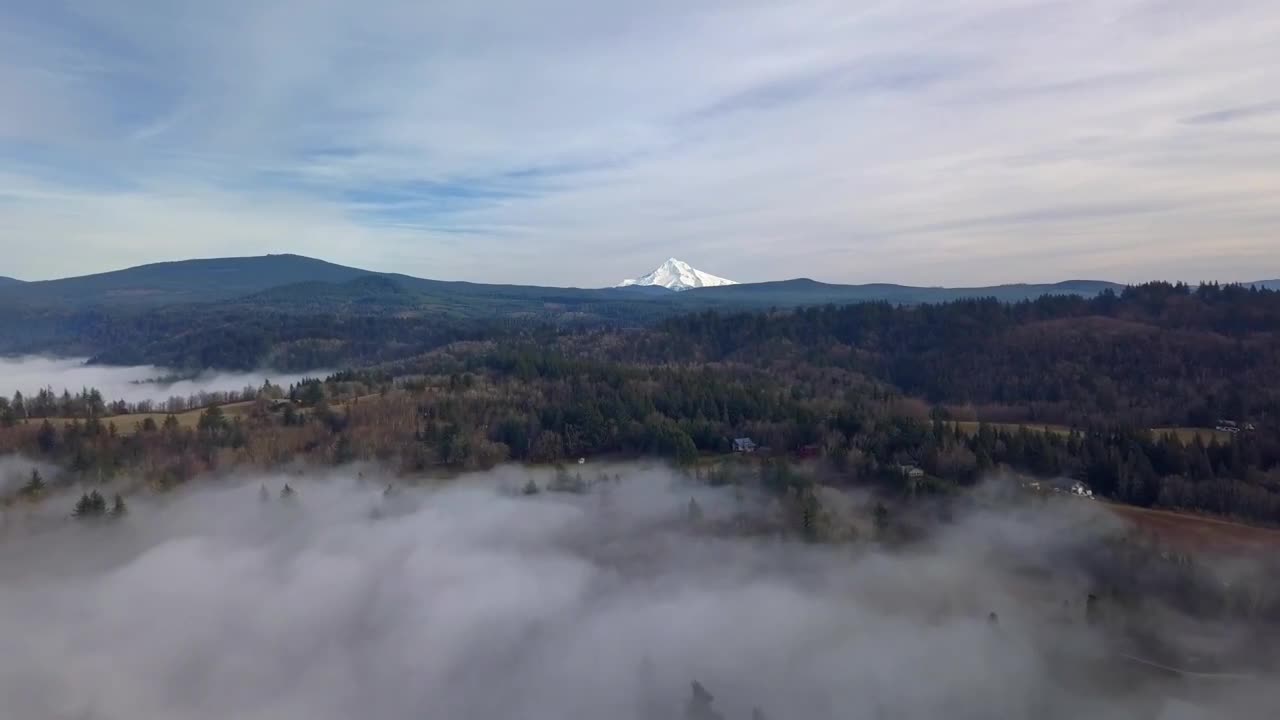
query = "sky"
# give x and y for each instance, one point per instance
(580, 142)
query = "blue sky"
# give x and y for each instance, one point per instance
(578, 142)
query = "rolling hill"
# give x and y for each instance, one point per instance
(181, 281)
(8, 281)
(811, 292)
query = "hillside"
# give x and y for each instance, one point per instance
(811, 292)
(8, 281)
(182, 281)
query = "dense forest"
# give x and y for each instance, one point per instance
(871, 391)
(1155, 355)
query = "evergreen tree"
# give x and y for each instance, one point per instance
(118, 508)
(810, 509)
(47, 437)
(343, 451)
(34, 487)
(699, 705)
(90, 505)
(212, 421)
(881, 517)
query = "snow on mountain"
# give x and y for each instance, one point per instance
(677, 275)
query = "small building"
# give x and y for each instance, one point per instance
(744, 445)
(1079, 489)
(911, 472)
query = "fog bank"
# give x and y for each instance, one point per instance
(473, 601)
(28, 374)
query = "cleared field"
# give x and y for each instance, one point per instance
(1188, 435)
(971, 427)
(1184, 434)
(1199, 531)
(128, 424)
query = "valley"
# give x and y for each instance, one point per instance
(751, 440)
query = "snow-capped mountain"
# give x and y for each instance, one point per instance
(677, 275)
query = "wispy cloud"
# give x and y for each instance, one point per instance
(575, 142)
(1235, 113)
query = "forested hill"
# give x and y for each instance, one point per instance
(182, 281)
(8, 281)
(800, 292)
(1156, 354)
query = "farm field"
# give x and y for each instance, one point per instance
(1184, 434)
(1199, 532)
(128, 424)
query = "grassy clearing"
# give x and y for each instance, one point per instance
(1188, 435)
(129, 424)
(1198, 531)
(970, 427)
(1184, 434)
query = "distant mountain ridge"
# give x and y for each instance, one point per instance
(201, 280)
(295, 283)
(7, 281)
(804, 291)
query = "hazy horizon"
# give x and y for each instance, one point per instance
(1011, 281)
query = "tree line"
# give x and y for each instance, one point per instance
(478, 406)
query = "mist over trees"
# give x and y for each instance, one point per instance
(326, 594)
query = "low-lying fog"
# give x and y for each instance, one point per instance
(470, 600)
(28, 374)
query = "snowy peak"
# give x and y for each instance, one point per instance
(677, 275)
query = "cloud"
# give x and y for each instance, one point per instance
(30, 374)
(754, 139)
(470, 601)
(1233, 114)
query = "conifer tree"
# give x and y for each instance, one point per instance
(34, 487)
(90, 505)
